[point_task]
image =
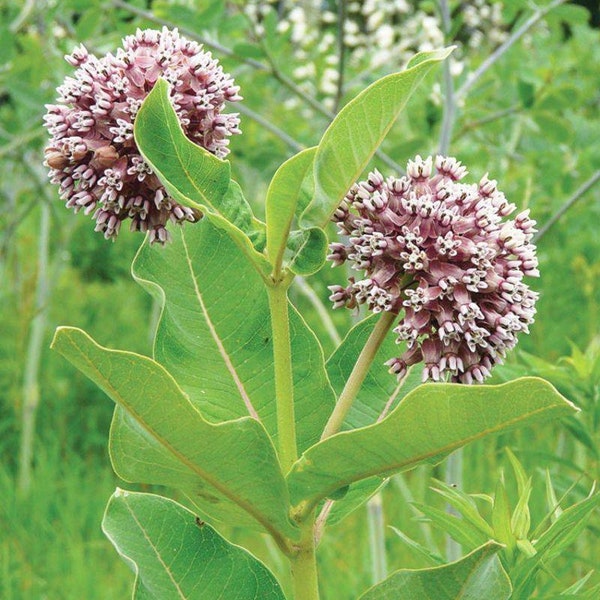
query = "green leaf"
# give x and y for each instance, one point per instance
(357, 494)
(215, 337)
(191, 174)
(578, 585)
(282, 201)
(433, 557)
(379, 387)
(308, 250)
(567, 528)
(523, 482)
(556, 539)
(233, 461)
(521, 517)
(554, 508)
(430, 422)
(466, 506)
(501, 518)
(303, 251)
(176, 556)
(357, 131)
(459, 529)
(477, 575)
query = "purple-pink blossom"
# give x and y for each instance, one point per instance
(92, 154)
(443, 255)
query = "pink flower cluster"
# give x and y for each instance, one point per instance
(92, 154)
(442, 252)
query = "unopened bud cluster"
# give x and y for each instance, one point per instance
(92, 154)
(443, 254)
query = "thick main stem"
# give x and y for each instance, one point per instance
(304, 566)
(361, 368)
(284, 384)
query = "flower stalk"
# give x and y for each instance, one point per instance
(359, 372)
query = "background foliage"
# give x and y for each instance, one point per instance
(532, 120)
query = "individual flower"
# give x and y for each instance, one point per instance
(92, 155)
(443, 254)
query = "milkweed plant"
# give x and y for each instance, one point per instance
(238, 411)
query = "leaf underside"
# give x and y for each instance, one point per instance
(177, 557)
(159, 437)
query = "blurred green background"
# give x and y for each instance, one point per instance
(532, 120)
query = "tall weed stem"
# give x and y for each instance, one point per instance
(304, 566)
(284, 384)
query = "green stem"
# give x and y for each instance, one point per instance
(284, 383)
(454, 477)
(376, 522)
(304, 566)
(31, 393)
(361, 368)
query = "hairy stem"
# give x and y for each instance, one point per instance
(304, 566)
(284, 384)
(361, 368)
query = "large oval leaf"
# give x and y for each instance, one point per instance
(177, 557)
(214, 335)
(430, 422)
(191, 174)
(234, 460)
(357, 131)
(478, 575)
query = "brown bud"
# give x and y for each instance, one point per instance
(105, 156)
(197, 215)
(55, 159)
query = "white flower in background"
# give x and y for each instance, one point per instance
(377, 33)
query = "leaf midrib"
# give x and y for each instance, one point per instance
(216, 338)
(248, 507)
(400, 466)
(320, 189)
(156, 552)
(169, 124)
(484, 557)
